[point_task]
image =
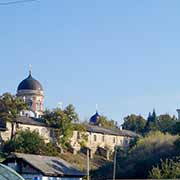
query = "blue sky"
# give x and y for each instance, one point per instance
(122, 55)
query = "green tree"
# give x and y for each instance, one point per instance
(134, 123)
(83, 137)
(176, 128)
(152, 123)
(10, 108)
(26, 142)
(106, 123)
(166, 122)
(71, 113)
(62, 124)
(177, 144)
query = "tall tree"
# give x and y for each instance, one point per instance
(176, 128)
(166, 122)
(71, 113)
(62, 124)
(10, 108)
(134, 123)
(152, 122)
(106, 123)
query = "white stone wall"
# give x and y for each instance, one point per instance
(95, 140)
(43, 131)
(6, 135)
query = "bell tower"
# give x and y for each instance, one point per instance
(31, 91)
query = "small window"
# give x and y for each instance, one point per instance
(114, 140)
(95, 138)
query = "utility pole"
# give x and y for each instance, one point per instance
(114, 167)
(87, 163)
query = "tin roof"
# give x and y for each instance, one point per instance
(48, 165)
(116, 132)
(30, 121)
(89, 127)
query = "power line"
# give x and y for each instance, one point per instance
(15, 2)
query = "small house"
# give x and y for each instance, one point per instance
(37, 167)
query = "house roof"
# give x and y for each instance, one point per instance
(30, 121)
(48, 165)
(89, 127)
(116, 132)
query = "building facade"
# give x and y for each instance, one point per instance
(98, 138)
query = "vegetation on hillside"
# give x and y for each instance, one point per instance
(155, 154)
(168, 169)
(29, 142)
(146, 153)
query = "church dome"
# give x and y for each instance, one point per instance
(30, 84)
(94, 119)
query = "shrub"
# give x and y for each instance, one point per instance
(25, 142)
(168, 169)
(147, 152)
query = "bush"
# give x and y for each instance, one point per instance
(168, 169)
(51, 149)
(147, 152)
(30, 142)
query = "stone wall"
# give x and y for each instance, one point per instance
(6, 135)
(94, 140)
(43, 131)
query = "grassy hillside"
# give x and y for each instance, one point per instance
(79, 161)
